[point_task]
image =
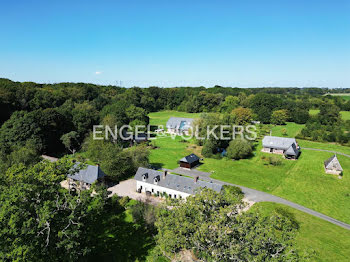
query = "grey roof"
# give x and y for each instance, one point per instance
(88, 175)
(276, 142)
(292, 150)
(175, 122)
(175, 182)
(190, 158)
(333, 163)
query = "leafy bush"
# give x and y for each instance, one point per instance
(239, 149)
(275, 161)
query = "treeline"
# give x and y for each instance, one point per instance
(56, 119)
(327, 126)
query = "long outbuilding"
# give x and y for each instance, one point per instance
(155, 182)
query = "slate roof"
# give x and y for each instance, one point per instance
(278, 142)
(181, 123)
(189, 159)
(333, 164)
(292, 150)
(289, 145)
(175, 182)
(88, 175)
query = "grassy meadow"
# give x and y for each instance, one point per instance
(329, 242)
(303, 181)
(292, 129)
(344, 114)
(345, 96)
(160, 118)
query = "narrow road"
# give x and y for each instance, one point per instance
(259, 196)
(324, 150)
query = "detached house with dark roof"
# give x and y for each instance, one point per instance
(282, 146)
(189, 161)
(84, 178)
(150, 181)
(179, 125)
(332, 166)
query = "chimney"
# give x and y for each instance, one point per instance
(165, 173)
(196, 179)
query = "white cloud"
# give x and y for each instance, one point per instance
(98, 72)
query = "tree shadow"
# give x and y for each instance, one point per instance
(156, 166)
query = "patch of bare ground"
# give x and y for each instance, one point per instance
(185, 256)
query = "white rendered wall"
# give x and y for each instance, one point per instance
(149, 187)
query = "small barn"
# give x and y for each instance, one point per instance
(189, 161)
(332, 166)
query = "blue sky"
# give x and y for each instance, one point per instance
(174, 43)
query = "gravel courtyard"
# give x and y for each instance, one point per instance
(128, 188)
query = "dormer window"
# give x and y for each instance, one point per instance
(156, 179)
(145, 176)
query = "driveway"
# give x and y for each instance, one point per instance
(324, 150)
(128, 188)
(259, 196)
(189, 172)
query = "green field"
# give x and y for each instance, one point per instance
(344, 114)
(328, 241)
(292, 129)
(160, 118)
(345, 96)
(303, 181)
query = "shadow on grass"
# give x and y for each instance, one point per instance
(156, 166)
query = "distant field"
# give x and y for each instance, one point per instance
(345, 114)
(315, 234)
(345, 96)
(160, 118)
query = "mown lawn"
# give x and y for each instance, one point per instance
(303, 181)
(292, 129)
(347, 97)
(329, 242)
(169, 151)
(344, 114)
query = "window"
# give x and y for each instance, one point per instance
(169, 195)
(152, 190)
(174, 196)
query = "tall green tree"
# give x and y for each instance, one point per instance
(39, 220)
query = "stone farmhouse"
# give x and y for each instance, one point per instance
(288, 147)
(84, 178)
(179, 125)
(150, 181)
(332, 166)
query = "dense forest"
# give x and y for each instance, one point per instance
(55, 119)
